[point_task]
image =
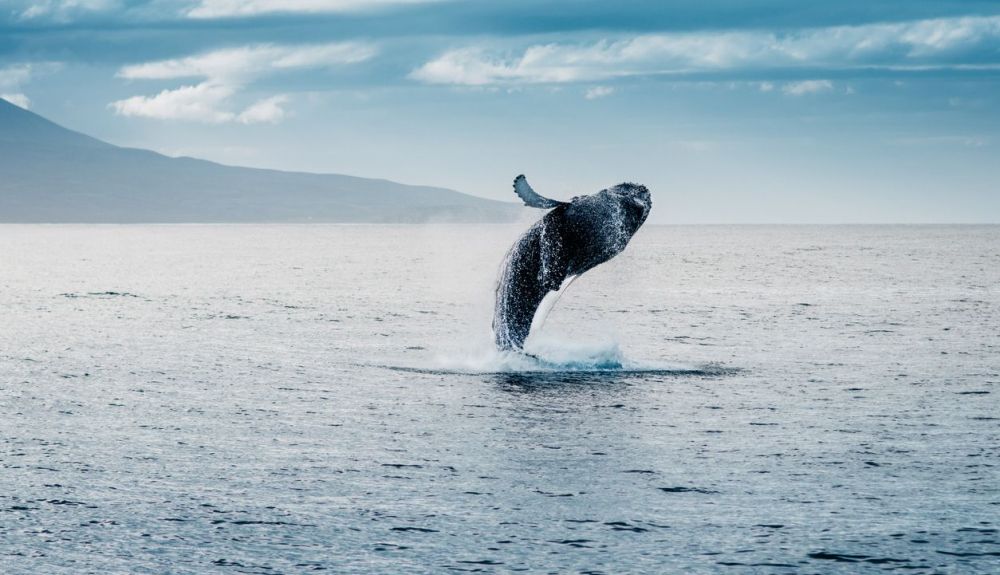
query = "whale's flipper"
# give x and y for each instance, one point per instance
(531, 197)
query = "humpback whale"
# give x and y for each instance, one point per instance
(570, 239)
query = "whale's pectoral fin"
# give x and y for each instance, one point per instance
(530, 197)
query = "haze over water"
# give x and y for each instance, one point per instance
(308, 398)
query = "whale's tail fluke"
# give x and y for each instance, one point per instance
(530, 197)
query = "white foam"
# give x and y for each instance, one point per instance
(550, 354)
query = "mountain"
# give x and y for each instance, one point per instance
(51, 174)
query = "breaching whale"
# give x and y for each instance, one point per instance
(572, 238)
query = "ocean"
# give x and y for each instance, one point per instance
(324, 398)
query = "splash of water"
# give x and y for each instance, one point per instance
(547, 354)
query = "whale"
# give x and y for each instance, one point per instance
(571, 238)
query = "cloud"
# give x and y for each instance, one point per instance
(245, 8)
(807, 87)
(14, 76)
(61, 10)
(200, 103)
(17, 99)
(268, 110)
(225, 73)
(247, 62)
(937, 43)
(598, 92)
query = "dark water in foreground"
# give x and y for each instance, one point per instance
(298, 399)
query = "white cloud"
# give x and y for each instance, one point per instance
(225, 73)
(268, 111)
(248, 62)
(598, 92)
(199, 103)
(13, 77)
(17, 99)
(931, 43)
(243, 8)
(61, 10)
(807, 87)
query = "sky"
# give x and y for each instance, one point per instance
(776, 111)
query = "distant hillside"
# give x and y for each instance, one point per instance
(51, 174)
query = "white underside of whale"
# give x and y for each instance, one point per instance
(549, 302)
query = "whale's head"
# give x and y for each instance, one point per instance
(635, 202)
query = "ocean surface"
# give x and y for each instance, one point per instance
(323, 398)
